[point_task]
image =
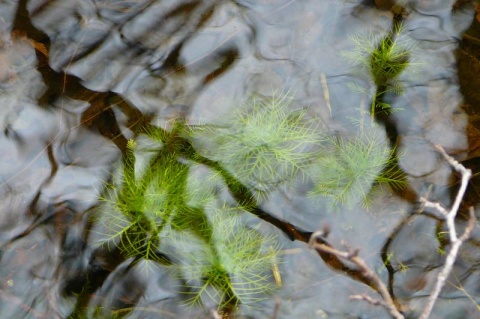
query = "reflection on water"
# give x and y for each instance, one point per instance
(80, 81)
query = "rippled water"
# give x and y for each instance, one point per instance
(78, 79)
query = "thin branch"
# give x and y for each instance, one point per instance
(447, 268)
(437, 206)
(456, 241)
(353, 257)
(326, 94)
(466, 175)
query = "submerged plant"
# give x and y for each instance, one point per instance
(146, 198)
(150, 216)
(384, 59)
(234, 268)
(171, 207)
(264, 142)
(389, 59)
(347, 172)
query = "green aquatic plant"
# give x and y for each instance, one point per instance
(253, 145)
(367, 161)
(150, 210)
(141, 203)
(350, 167)
(384, 59)
(264, 142)
(236, 267)
(170, 204)
(389, 59)
(133, 219)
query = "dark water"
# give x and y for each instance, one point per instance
(78, 79)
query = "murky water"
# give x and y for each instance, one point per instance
(90, 91)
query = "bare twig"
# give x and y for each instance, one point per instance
(326, 94)
(455, 241)
(353, 257)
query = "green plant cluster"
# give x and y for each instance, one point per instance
(284, 142)
(139, 208)
(151, 215)
(166, 211)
